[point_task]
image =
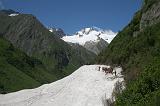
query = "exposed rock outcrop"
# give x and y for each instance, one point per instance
(151, 16)
(96, 47)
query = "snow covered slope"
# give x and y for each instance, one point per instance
(90, 34)
(14, 14)
(85, 87)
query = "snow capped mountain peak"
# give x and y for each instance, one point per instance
(10, 12)
(90, 34)
(14, 14)
(87, 31)
(54, 29)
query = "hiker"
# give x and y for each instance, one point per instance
(115, 73)
(103, 69)
(99, 68)
(106, 70)
(111, 70)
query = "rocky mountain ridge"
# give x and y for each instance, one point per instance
(25, 32)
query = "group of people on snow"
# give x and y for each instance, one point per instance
(108, 70)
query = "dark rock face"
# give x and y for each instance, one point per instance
(83, 52)
(58, 32)
(26, 33)
(151, 16)
(96, 47)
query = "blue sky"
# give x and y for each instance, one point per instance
(73, 15)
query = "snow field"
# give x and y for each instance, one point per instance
(85, 87)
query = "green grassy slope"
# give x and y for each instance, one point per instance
(18, 71)
(145, 63)
(125, 49)
(138, 52)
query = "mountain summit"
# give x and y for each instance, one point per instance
(94, 39)
(90, 34)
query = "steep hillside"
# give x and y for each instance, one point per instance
(25, 32)
(137, 49)
(19, 71)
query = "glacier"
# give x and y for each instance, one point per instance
(87, 86)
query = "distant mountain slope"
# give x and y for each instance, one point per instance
(58, 32)
(19, 71)
(94, 39)
(96, 47)
(137, 49)
(26, 33)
